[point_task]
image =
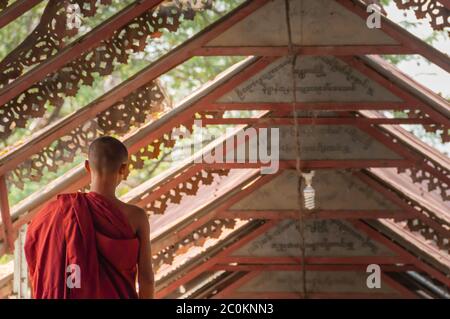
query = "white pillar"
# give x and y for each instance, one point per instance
(21, 288)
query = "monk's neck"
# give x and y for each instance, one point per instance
(106, 189)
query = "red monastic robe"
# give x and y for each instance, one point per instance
(86, 230)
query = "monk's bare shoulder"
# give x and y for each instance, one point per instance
(137, 217)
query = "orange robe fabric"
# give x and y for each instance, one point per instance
(86, 230)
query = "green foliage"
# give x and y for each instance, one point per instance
(5, 259)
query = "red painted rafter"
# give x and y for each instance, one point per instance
(323, 106)
(265, 122)
(396, 147)
(303, 50)
(188, 173)
(314, 295)
(354, 260)
(314, 164)
(315, 214)
(308, 267)
(15, 10)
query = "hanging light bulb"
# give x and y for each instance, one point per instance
(309, 192)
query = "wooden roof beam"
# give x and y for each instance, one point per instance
(270, 121)
(309, 267)
(289, 260)
(315, 214)
(304, 50)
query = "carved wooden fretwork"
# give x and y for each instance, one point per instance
(212, 229)
(428, 172)
(167, 140)
(151, 151)
(417, 225)
(421, 176)
(188, 187)
(47, 39)
(51, 157)
(421, 224)
(436, 128)
(132, 111)
(434, 10)
(101, 60)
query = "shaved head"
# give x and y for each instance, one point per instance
(107, 154)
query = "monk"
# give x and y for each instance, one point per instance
(92, 245)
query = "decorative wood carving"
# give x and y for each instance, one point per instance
(436, 128)
(428, 232)
(132, 111)
(430, 172)
(421, 176)
(167, 140)
(434, 10)
(435, 175)
(422, 225)
(212, 229)
(47, 39)
(186, 188)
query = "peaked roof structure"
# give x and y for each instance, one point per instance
(227, 229)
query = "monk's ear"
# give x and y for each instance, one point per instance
(124, 170)
(87, 166)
